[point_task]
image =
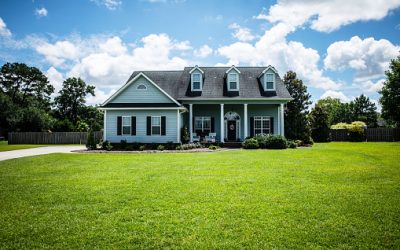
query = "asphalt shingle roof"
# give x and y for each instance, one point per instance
(177, 83)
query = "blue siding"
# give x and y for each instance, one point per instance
(133, 95)
(171, 126)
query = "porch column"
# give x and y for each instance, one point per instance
(191, 123)
(282, 109)
(105, 126)
(178, 127)
(222, 123)
(245, 121)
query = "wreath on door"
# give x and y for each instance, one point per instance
(232, 127)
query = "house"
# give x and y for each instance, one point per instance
(214, 103)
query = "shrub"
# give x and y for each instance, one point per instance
(160, 148)
(291, 144)
(276, 142)
(142, 147)
(213, 147)
(262, 140)
(356, 134)
(250, 143)
(123, 144)
(106, 145)
(179, 147)
(91, 144)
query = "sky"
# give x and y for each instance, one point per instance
(339, 48)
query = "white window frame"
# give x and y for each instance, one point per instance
(200, 82)
(130, 125)
(145, 87)
(261, 119)
(151, 127)
(237, 82)
(203, 119)
(273, 81)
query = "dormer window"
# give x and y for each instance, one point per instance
(196, 82)
(269, 81)
(233, 82)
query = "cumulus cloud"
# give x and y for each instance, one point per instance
(203, 51)
(109, 4)
(327, 15)
(241, 33)
(273, 49)
(369, 86)
(55, 78)
(57, 53)
(368, 57)
(41, 12)
(3, 29)
(335, 94)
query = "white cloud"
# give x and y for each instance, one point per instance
(41, 12)
(203, 51)
(3, 29)
(368, 57)
(55, 78)
(57, 53)
(113, 46)
(241, 33)
(273, 49)
(109, 4)
(335, 94)
(327, 15)
(369, 85)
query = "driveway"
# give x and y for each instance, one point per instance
(38, 151)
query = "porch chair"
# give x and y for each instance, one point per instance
(211, 137)
(195, 137)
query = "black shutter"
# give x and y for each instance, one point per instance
(148, 124)
(251, 126)
(163, 120)
(193, 130)
(212, 125)
(133, 125)
(119, 125)
(271, 119)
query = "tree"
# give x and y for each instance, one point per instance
(364, 110)
(71, 99)
(319, 124)
(390, 99)
(296, 123)
(337, 111)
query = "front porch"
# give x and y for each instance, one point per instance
(232, 122)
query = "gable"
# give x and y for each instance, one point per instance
(268, 71)
(132, 94)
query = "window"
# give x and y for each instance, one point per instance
(155, 125)
(202, 124)
(196, 81)
(233, 81)
(269, 81)
(141, 87)
(126, 125)
(262, 125)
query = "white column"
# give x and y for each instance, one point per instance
(178, 127)
(105, 126)
(191, 122)
(245, 121)
(282, 120)
(222, 123)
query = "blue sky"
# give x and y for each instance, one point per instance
(338, 48)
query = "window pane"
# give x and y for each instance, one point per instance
(265, 123)
(232, 77)
(257, 131)
(270, 85)
(270, 77)
(126, 121)
(232, 85)
(126, 130)
(198, 123)
(257, 124)
(155, 120)
(196, 85)
(207, 123)
(196, 77)
(155, 130)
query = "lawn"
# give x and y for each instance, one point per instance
(334, 195)
(5, 147)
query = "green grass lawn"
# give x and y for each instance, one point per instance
(336, 195)
(5, 147)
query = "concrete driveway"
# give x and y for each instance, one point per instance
(38, 151)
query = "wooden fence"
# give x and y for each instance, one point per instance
(371, 134)
(51, 137)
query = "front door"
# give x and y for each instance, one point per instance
(231, 130)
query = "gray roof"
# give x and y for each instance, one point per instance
(177, 83)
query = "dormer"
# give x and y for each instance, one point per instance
(196, 79)
(268, 78)
(232, 79)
